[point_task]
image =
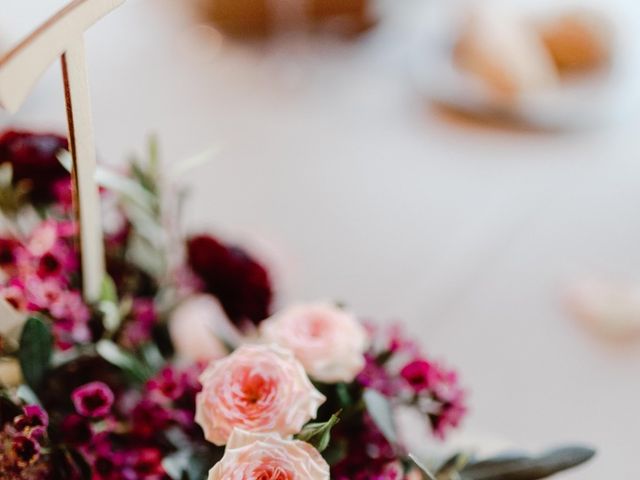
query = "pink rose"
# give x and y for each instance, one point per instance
(259, 455)
(259, 388)
(193, 327)
(329, 341)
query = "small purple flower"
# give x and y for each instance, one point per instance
(147, 417)
(145, 463)
(33, 422)
(93, 400)
(140, 326)
(107, 464)
(168, 384)
(26, 450)
(32, 416)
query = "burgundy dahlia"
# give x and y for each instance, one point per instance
(241, 284)
(93, 400)
(33, 158)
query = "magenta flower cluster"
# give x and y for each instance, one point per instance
(96, 430)
(123, 437)
(168, 399)
(41, 272)
(396, 368)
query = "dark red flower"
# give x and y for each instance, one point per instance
(33, 158)
(25, 449)
(147, 463)
(8, 248)
(148, 417)
(241, 284)
(76, 430)
(93, 400)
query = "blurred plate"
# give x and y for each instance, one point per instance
(588, 101)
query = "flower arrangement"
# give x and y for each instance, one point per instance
(183, 369)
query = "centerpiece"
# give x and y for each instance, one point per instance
(131, 351)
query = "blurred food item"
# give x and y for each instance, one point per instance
(513, 54)
(353, 14)
(261, 17)
(499, 48)
(610, 309)
(578, 41)
(239, 17)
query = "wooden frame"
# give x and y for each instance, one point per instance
(62, 37)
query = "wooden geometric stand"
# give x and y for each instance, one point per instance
(62, 38)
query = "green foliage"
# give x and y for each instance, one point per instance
(125, 361)
(36, 348)
(382, 414)
(319, 434)
(523, 467)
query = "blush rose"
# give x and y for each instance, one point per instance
(255, 455)
(330, 342)
(259, 388)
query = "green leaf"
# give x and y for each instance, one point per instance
(27, 395)
(381, 413)
(453, 465)
(181, 168)
(108, 292)
(122, 359)
(36, 347)
(524, 467)
(177, 464)
(318, 434)
(421, 466)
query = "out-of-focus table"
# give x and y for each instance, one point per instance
(367, 195)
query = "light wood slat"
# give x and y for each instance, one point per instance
(82, 147)
(22, 66)
(62, 37)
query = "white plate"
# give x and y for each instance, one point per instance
(590, 101)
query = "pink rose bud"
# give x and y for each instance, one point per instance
(193, 326)
(256, 455)
(258, 388)
(329, 341)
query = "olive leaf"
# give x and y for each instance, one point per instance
(36, 347)
(523, 467)
(421, 466)
(381, 413)
(122, 359)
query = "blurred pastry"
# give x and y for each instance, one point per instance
(501, 49)
(354, 15)
(238, 17)
(577, 41)
(610, 309)
(260, 17)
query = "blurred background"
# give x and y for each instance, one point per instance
(471, 168)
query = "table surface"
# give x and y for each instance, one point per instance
(334, 168)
